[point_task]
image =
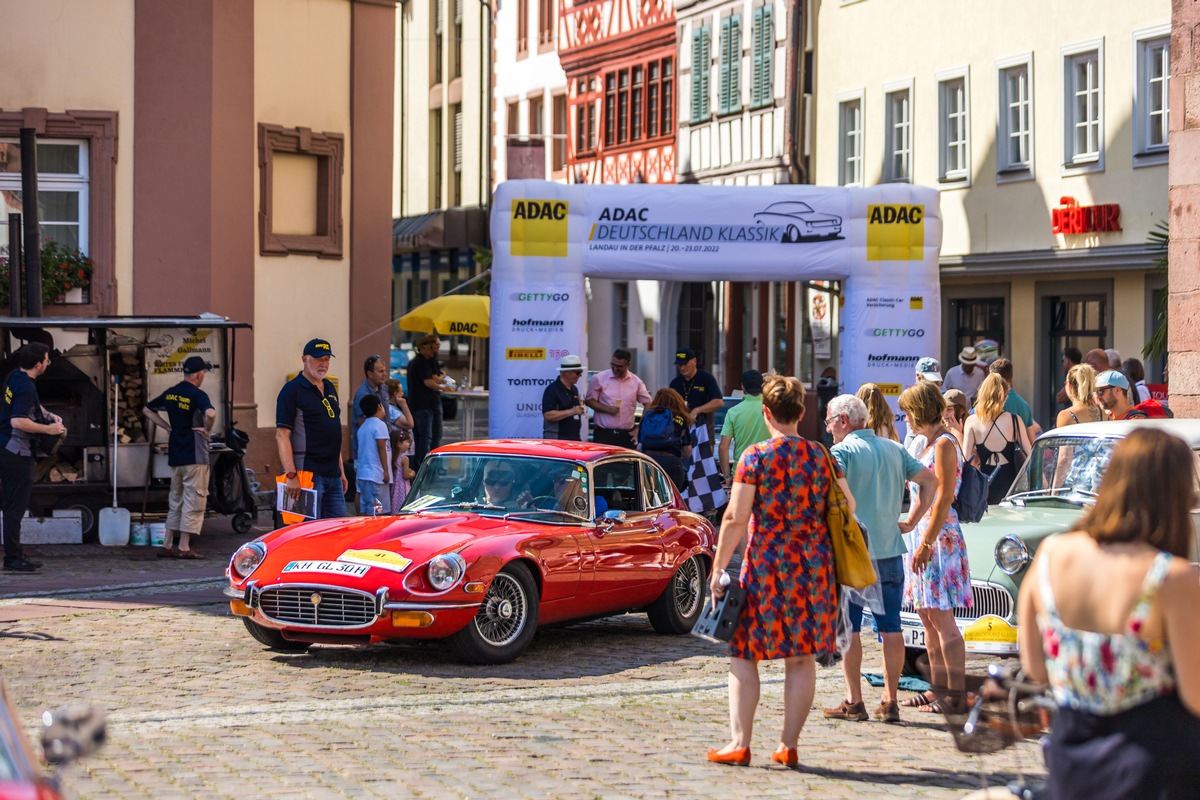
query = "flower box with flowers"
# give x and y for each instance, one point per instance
(65, 273)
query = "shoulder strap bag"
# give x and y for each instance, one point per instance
(971, 502)
(851, 559)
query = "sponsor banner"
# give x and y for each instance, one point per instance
(533, 327)
(881, 241)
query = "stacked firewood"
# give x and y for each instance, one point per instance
(131, 387)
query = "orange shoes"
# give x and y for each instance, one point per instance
(786, 756)
(738, 757)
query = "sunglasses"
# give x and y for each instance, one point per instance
(615, 365)
(373, 360)
(498, 480)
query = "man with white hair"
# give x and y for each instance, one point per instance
(876, 470)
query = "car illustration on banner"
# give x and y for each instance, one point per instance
(496, 538)
(800, 223)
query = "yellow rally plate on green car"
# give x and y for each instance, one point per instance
(990, 628)
(384, 559)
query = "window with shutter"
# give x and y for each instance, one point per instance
(458, 138)
(700, 73)
(763, 45)
(730, 89)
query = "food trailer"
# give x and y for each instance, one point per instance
(137, 358)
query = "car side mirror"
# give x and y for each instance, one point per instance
(456, 491)
(615, 516)
(71, 732)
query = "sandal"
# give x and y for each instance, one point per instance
(921, 701)
(167, 552)
(947, 704)
(188, 554)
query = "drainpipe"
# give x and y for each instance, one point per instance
(793, 140)
(33, 241)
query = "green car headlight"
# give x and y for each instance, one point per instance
(1011, 555)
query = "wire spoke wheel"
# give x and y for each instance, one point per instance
(505, 611)
(687, 588)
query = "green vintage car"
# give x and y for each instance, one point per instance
(1053, 490)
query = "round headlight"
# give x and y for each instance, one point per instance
(1011, 555)
(445, 570)
(247, 558)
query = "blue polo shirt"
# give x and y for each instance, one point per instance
(313, 415)
(876, 470)
(185, 406)
(20, 398)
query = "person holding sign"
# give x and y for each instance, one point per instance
(190, 418)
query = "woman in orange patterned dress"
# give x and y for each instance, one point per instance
(778, 496)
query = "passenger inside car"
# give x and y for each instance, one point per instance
(500, 486)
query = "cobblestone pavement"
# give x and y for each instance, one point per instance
(598, 710)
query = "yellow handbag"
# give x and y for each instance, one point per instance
(851, 559)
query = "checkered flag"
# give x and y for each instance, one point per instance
(705, 490)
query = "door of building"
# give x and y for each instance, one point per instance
(1075, 321)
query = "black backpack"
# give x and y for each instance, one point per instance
(971, 502)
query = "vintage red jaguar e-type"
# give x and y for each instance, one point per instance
(496, 537)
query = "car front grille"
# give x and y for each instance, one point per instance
(988, 598)
(317, 606)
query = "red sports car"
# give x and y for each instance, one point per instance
(496, 537)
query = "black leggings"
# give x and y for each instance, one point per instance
(16, 484)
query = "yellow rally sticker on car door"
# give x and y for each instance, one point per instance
(384, 559)
(990, 628)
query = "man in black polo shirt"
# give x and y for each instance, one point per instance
(308, 431)
(190, 417)
(562, 410)
(19, 406)
(697, 387)
(425, 383)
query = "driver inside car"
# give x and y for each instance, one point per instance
(499, 487)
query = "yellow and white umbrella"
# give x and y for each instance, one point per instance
(451, 315)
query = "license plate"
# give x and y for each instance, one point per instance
(914, 637)
(354, 570)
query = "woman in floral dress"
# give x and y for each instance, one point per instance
(778, 496)
(937, 577)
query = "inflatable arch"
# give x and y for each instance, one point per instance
(881, 241)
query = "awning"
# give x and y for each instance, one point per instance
(444, 229)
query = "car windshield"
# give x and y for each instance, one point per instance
(550, 490)
(1061, 466)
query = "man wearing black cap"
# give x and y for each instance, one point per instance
(697, 387)
(190, 417)
(308, 431)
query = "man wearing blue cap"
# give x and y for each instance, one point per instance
(308, 432)
(1112, 393)
(189, 420)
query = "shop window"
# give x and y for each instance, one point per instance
(318, 156)
(1083, 106)
(1152, 99)
(954, 154)
(975, 319)
(1014, 150)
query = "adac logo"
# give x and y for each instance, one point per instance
(916, 303)
(467, 328)
(539, 228)
(525, 354)
(895, 232)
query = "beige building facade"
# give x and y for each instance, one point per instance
(230, 157)
(1046, 129)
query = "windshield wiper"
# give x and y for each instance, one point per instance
(463, 506)
(1040, 493)
(525, 512)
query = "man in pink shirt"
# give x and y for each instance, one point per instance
(613, 395)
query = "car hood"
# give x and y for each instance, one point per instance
(1031, 523)
(416, 537)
